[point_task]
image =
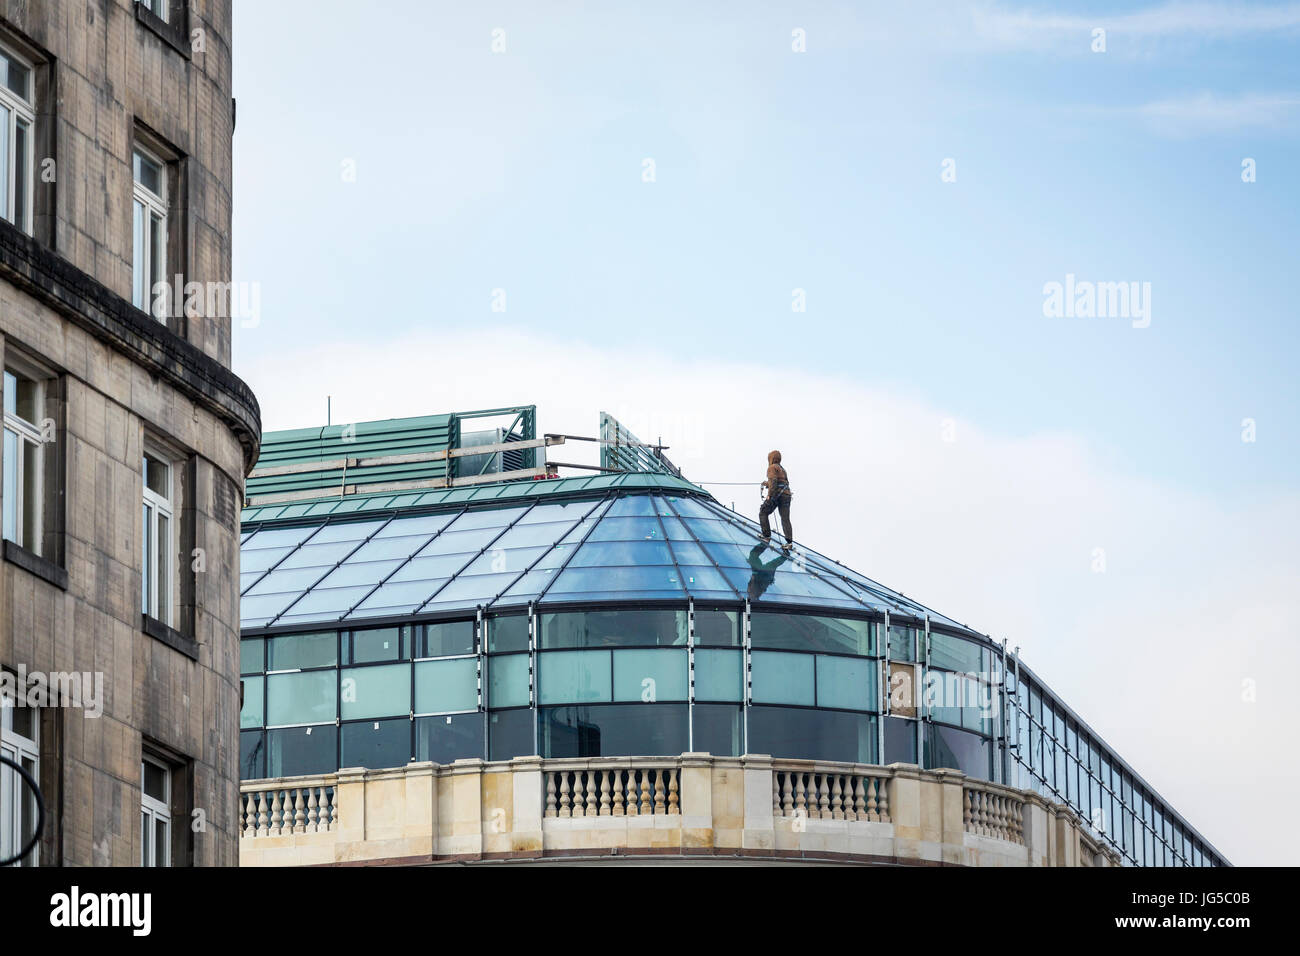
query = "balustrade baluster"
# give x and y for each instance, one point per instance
(618, 793)
(550, 793)
(837, 799)
(566, 803)
(673, 807)
(787, 790)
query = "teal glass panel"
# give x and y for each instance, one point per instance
(903, 642)
(252, 654)
(718, 675)
(508, 680)
(807, 632)
(846, 683)
(450, 685)
(310, 697)
(717, 628)
(574, 677)
(250, 715)
(301, 651)
(954, 654)
(383, 691)
(650, 675)
(782, 678)
(506, 633)
(377, 646)
(446, 639)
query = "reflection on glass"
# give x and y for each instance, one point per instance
(718, 730)
(376, 744)
(613, 730)
(812, 734)
(446, 738)
(620, 628)
(298, 751)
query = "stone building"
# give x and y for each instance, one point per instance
(126, 435)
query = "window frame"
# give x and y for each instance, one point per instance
(165, 15)
(20, 749)
(154, 204)
(19, 108)
(153, 811)
(149, 533)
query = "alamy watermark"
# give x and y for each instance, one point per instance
(1102, 300)
(210, 300)
(80, 689)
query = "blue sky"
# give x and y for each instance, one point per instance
(775, 170)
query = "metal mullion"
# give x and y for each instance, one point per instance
(410, 557)
(609, 500)
(337, 564)
(699, 545)
(553, 546)
(475, 557)
(747, 695)
(690, 673)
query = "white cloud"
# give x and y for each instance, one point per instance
(995, 530)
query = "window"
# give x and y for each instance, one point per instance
(149, 260)
(20, 742)
(23, 459)
(158, 541)
(158, 8)
(17, 121)
(155, 813)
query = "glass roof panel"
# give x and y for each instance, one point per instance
(701, 578)
(402, 593)
(281, 537)
(417, 525)
(688, 552)
(354, 531)
(630, 506)
(471, 589)
(490, 518)
(504, 560)
(600, 554)
(259, 561)
(628, 529)
(318, 555)
(351, 574)
(427, 569)
(452, 541)
(573, 581)
(287, 579)
(377, 549)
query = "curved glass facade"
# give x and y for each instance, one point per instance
(645, 624)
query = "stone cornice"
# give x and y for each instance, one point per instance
(84, 301)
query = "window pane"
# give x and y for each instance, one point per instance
(614, 730)
(451, 737)
(448, 638)
(718, 730)
(845, 683)
(300, 651)
(21, 137)
(902, 644)
(16, 76)
(812, 734)
(252, 755)
(954, 654)
(508, 681)
(650, 675)
(805, 632)
(782, 679)
(148, 174)
(717, 628)
(310, 697)
(507, 633)
(139, 266)
(297, 751)
(10, 490)
(373, 647)
(157, 256)
(382, 691)
(718, 675)
(375, 744)
(163, 579)
(957, 750)
(146, 560)
(614, 628)
(251, 653)
(900, 740)
(574, 677)
(250, 715)
(510, 734)
(161, 843)
(446, 685)
(4, 164)
(154, 780)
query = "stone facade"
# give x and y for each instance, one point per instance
(107, 75)
(698, 807)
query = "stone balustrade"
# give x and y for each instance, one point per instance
(750, 808)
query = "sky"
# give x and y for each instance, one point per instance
(833, 229)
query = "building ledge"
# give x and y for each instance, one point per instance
(170, 636)
(33, 563)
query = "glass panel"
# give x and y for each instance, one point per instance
(614, 730)
(614, 628)
(252, 652)
(252, 755)
(21, 137)
(507, 633)
(900, 740)
(805, 632)
(718, 729)
(146, 560)
(16, 76)
(845, 683)
(902, 644)
(718, 675)
(297, 751)
(139, 267)
(717, 628)
(300, 651)
(446, 639)
(4, 166)
(954, 654)
(148, 174)
(957, 750)
(161, 843)
(250, 715)
(375, 646)
(310, 697)
(154, 781)
(377, 691)
(812, 734)
(510, 734)
(10, 490)
(448, 738)
(508, 681)
(375, 744)
(446, 685)
(650, 675)
(574, 677)
(782, 679)
(164, 569)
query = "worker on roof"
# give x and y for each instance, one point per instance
(778, 499)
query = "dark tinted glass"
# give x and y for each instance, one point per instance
(444, 739)
(805, 632)
(957, 750)
(375, 744)
(613, 730)
(717, 628)
(510, 734)
(252, 755)
(812, 734)
(614, 628)
(507, 633)
(718, 730)
(295, 751)
(900, 740)
(251, 655)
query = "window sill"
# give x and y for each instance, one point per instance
(33, 563)
(173, 34)
(169, 636)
